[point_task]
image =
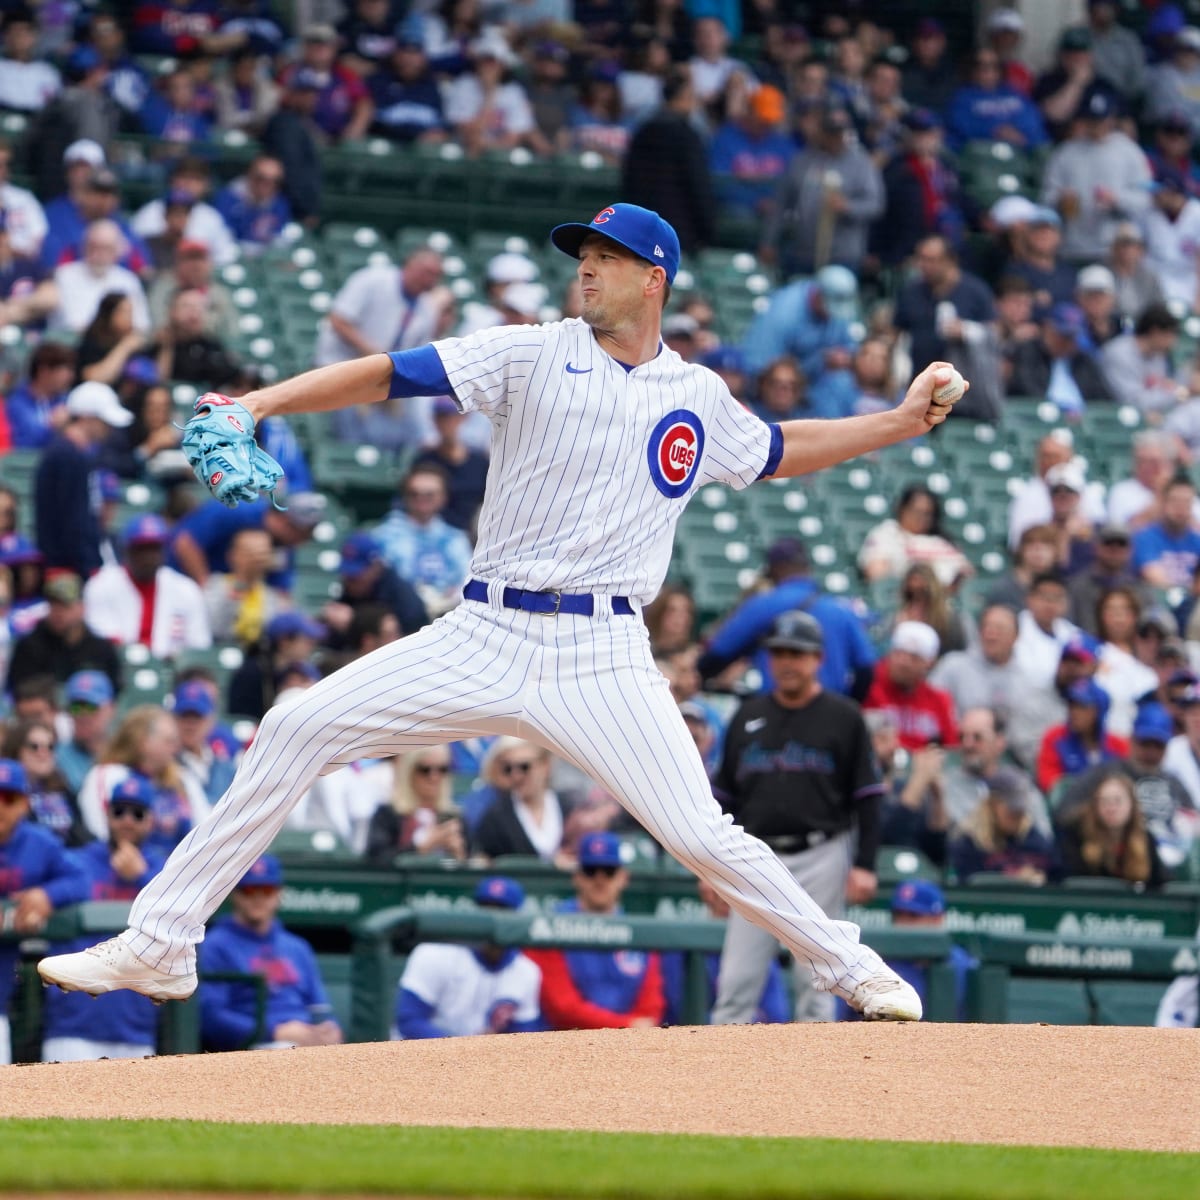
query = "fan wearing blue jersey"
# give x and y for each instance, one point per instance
(600, 436)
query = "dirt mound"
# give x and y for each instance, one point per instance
(1017, 1084)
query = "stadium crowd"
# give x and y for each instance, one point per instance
(912, 193)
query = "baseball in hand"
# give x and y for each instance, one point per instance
(951, 391)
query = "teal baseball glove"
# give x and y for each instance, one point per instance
(219, 443)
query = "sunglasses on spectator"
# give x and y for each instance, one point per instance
(136, 812)
(423, 494)
(39, 745)
(258, 889)
(431, 769)
(605, 872)
(78, 708)
(522, 767)
(11, 798)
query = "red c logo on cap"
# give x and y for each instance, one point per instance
(601, 218)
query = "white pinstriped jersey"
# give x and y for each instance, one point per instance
(592, 465)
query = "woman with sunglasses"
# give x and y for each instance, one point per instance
(527, 817)
(421, 817)
(51, 801)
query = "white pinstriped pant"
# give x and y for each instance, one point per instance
(586, 688)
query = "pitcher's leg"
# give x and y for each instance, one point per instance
(622, 727)
(455, 677)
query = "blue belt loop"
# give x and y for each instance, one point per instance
(546, 604)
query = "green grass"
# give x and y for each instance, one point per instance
(124, 1156)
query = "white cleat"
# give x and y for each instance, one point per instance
(109, 967)
(886, 997)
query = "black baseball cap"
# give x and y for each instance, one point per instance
(796, 630)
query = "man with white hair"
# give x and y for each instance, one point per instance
(81, 285)
(1136, 501)
(924, 714)
(1031, 504)
(503, 270)
(1096, 295)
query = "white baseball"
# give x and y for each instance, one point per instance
(951, 391)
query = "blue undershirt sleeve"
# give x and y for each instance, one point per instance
(418, 372)
(775, 453)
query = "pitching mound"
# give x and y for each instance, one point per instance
(1030, 1085)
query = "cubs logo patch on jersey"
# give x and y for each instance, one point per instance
(674, 451)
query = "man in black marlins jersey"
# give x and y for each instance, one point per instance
(798, 772)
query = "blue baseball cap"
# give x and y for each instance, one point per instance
(141, 370)
(133, 789)
(265, 872)
(291, 624)
(193, 699)
(13, 777)
(359, 551)
(1153, 724)
(498, 891)
(600, 850)
(89, 687)
(15, 550)
(1068, 320)
(724, 358)
(147, 530)
(1087, 692)
(637, 229)
(304, 669)
(919, 898)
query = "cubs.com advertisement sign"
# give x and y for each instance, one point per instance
(674, 451)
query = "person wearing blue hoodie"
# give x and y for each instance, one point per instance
(460, 991)
(37, 876)
(989, 110)
(253, 942)
(81, 1028)
(1082, 740)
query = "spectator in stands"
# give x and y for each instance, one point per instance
(913, 535)
(502, 269)
(1014, 321)
(172, 111)
(99, 200)
(551, 94)
(344, 109)
(290, 640)
(946, 311)
(66, 507)
(146, 742)
(81, 1028)
(189, 177)
(420, 545)
(1096, 297)
(1120, 673)
(37, 408)
(1182, 758)
(1171, 228)
(921, 596)
(1171, 85)
(780, 391)
(202, 537)
(254, 206)
(716, 75)
(924, 714)
(420, 817)
(382, 308)
(25, 219)
(1074, 533)
(80, 161)
(367, 581)
(81, 285)
(39, 876)
(600, 989)
(465, 469)
(89, 699)
(1003, 33)
(241, 604)
(1060, 91)
(293, 137)
(1096, 178)
(1035, 258)
(1166, 552)
(1082, 741)
(671, 619)
(1137, 501)
(1031, 503)
(929, 79)
(1172, 151)
(1109, 569)
(187, 352)
(192, 270)
(27, 82)
(666, 168)
(1169, 814)
(368, 34)
(913, 812)
(36, 699)
(596, 122)
(989, 109)
(146, 448)
(528, 817)
(1043, 628)
(110, 341)
(848, 658)
(750, 154)
(405, 95)
(246, 95)
(33, 742)
(252, 941)
(172, 28)
(1000, 837)
(1106, 836)
(922, 192)
(984, 674)
(825, 204)
(886, 111)
(144, 602)
(1118, 57)
(203, 754)
(462, 991)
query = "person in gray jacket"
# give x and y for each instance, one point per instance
(825, 204)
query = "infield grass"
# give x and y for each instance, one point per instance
(130, 1156)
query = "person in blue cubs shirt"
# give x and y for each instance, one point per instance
(253, 942)
(600, 989)
(37, 875)
(461, 991)
(81, 1028)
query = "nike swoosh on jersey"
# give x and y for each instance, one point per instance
(578, 370)
(755, 725)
